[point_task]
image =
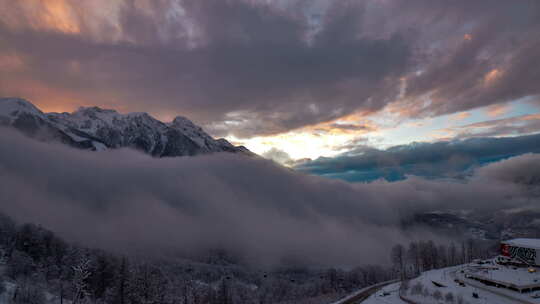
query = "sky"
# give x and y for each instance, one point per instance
(292, 80)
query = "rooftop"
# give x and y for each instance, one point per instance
(527, 243)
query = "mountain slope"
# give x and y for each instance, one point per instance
(93, 128)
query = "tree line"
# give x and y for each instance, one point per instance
(418, 256)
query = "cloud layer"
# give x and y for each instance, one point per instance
(254, 208)
(445, 159)
(252, 67)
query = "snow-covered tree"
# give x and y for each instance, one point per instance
(398, 260)
(81, 273)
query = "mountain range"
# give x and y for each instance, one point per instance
(93, 128)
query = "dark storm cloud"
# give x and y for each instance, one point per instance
(432, 160)
(248, 59)
(251, 207)
(252, 68)
(491, 56)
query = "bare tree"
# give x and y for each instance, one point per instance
(452, 254)
(398, 259)
(413, 254)
(442, 254)
(81, 272)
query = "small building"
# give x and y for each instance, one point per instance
(526, 251)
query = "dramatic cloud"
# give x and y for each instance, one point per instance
(475, 57)
(251, 207)
(251, 67)
(432, 160)
(249, 63)
(524, 124)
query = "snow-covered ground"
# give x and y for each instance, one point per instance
(363, 293)
(387, 295)
(423, 289)
(440, 286)
(452, 289)
(506, 275)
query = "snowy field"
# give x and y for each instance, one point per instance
(518, 276)
(424, 290)
(440, 286)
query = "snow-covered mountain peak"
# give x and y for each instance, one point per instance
(94, 112)
(94, 119)
(181, 121)
(12, 107)
(108, 115)
(224, 142)
(95, 128)
(197, 134)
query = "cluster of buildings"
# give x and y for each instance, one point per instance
(517, 268)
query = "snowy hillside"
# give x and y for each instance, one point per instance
(94, 128)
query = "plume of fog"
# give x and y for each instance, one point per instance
(253, 208)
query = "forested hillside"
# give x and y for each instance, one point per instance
(40, 267)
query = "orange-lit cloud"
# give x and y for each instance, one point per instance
(518, 125)
(492, 76)
(57, 14)
(460, 116)
(532, 117)
(10, 62)
(407, 107)
(497, 110)
(96, 19)
(44, 97)
(51, 99)
(467, 37)
(353, 124)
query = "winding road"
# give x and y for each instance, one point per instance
(362, 294)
